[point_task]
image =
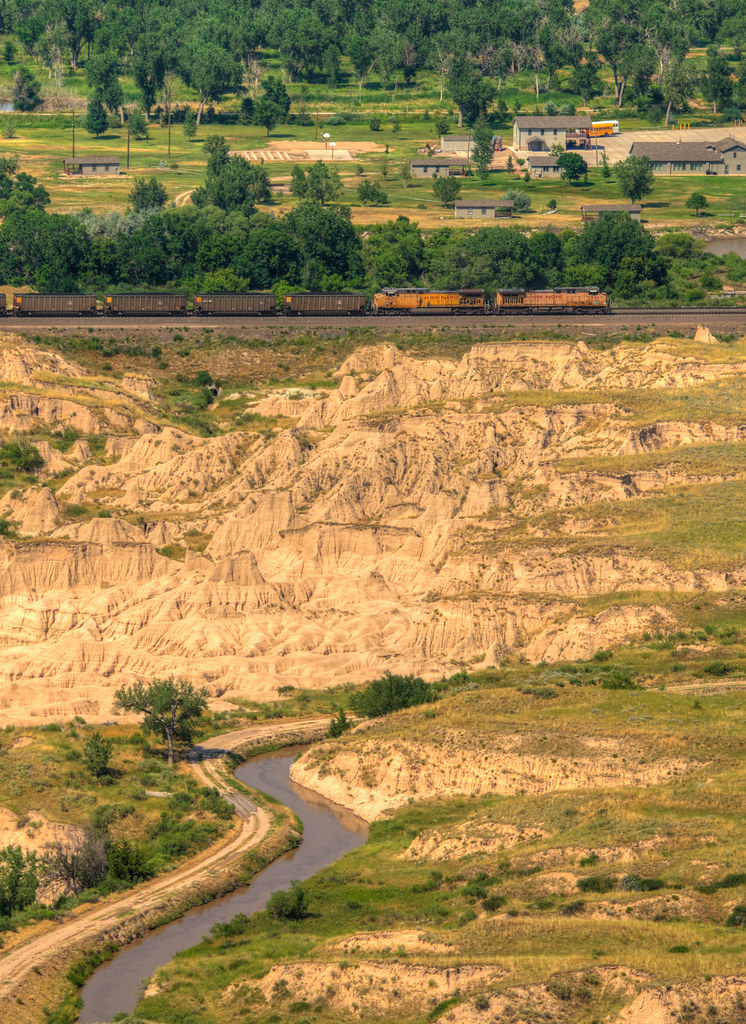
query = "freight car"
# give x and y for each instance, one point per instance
(53, 304)
(555, 300)
(422, 300)
(324, 304)
(235, 304)
(145, 304)
(3, 303)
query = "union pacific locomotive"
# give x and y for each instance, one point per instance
(388, 302)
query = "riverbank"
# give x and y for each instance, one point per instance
(35, 977)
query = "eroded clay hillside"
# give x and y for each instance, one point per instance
(530, 499)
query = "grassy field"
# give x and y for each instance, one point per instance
(664, 861)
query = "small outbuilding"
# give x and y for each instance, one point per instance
(455, 144)
(545, 166)
(441, 166)
(592, 211)
(487, 209)
(88, 165)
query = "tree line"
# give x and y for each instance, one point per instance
(220, 48)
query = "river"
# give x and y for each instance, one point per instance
(720, 246)
(329, 832)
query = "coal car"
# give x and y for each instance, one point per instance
(145, 304)
(53, 304)
(324, 303)
(235, 304)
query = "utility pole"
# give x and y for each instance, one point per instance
(73, 133)
(128, 143)
(169, 131)
(317, 122)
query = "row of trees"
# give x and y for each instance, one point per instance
(215, 49)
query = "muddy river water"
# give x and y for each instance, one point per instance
(329, 831)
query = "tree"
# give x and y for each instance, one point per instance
(339, 725)
(482, 146)
(635, 177)
(391, 693)
(170, 708)
(274, 90)
(573, 167)
(405, 170)
(217, 150)
(138, 125)
(97, 753)
(585, 80)
(102, 75)
(234, 184)
(471, 91)
(298, 182)
(18, 880)
(147, 194)
(22, 455)
(96, 118)
(211, 70)
(9, 52)
(323, 183)
(149, 63)
(77, 864)
(190, 124)
(697, 201)
(677, 85)
(288, 905)
(446, 190)
(717, 85)
(267, 113)
(25, 90)
(362, 58)
(371, 193)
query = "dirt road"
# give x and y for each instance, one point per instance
(25, 968)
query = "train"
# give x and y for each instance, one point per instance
(387, 302)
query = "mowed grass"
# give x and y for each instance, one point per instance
(537, 924)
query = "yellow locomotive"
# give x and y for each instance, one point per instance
(422, 300)
(553, 300)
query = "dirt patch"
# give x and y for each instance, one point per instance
(470, 837)
(390, 942)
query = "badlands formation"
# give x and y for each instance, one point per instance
(422, 516)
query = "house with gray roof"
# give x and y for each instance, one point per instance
(441, 166)
(535, 133)
(487, 209)
(725, 157)
(592, 211)
(544, 166)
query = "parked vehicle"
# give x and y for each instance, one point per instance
(600, 128)
(235, 304)
(53, 304)
(324, 303)
(423, 300)
(144, 304)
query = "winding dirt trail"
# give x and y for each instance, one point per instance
(122, 917)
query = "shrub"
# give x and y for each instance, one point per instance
(374, 123)
(596, 883)
(97, 754)
(636, 883)
(22, 455)
(573, 908)
(717, 668)
(521, 200)
(338, 725)
(493, 902)
(737, 917)
(288, 905)
(391, 693)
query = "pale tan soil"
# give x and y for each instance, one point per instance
(365, 987)
(470, 837)
(33, 953)
(380, 775)
(389, 942)
(364, 536)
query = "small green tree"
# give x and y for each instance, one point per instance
(374, 123)
(138, 125)
(446, 190)
(635, 177)
(288, 905)
(323, 183)
(298, 182)
(396, 126)
(19, 880)
(96, 118)
(25, 90)
(573, 167)
(190, 125)
(170, 708)
(405, 170)
(338, 725)
(697, 201)
(267, 113)
(147, 194)
(22, 455)
(371, 193)
(391, 693)
(97, 753)
(605, 167)
(482, 146)
(9, 52)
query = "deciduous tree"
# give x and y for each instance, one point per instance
(170, 708)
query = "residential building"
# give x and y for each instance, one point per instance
(442, 166)
(87, 165)
(592, 211)
(544, 167)
(483, 209)
(534, 133)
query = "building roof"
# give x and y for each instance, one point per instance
(91, 160)
(501, 204)
(543, 160)
(730, 143)
(611, 208)
(437, 161)
(662, 152)
(532, 121)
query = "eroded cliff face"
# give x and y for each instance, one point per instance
(419, 518)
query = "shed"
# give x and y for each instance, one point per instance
(442, 166)
(87, 165)
(592, 211)
(483, 208)
(544, 167)
(455, 143)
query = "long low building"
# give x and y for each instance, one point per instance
(487, 209)
(87, 165)
(592, 211)
(440, 166)
(725, 157)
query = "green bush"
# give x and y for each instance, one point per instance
(288, 905)
(596, 883)
(717, 668)
(391, 693)
(737, 917)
